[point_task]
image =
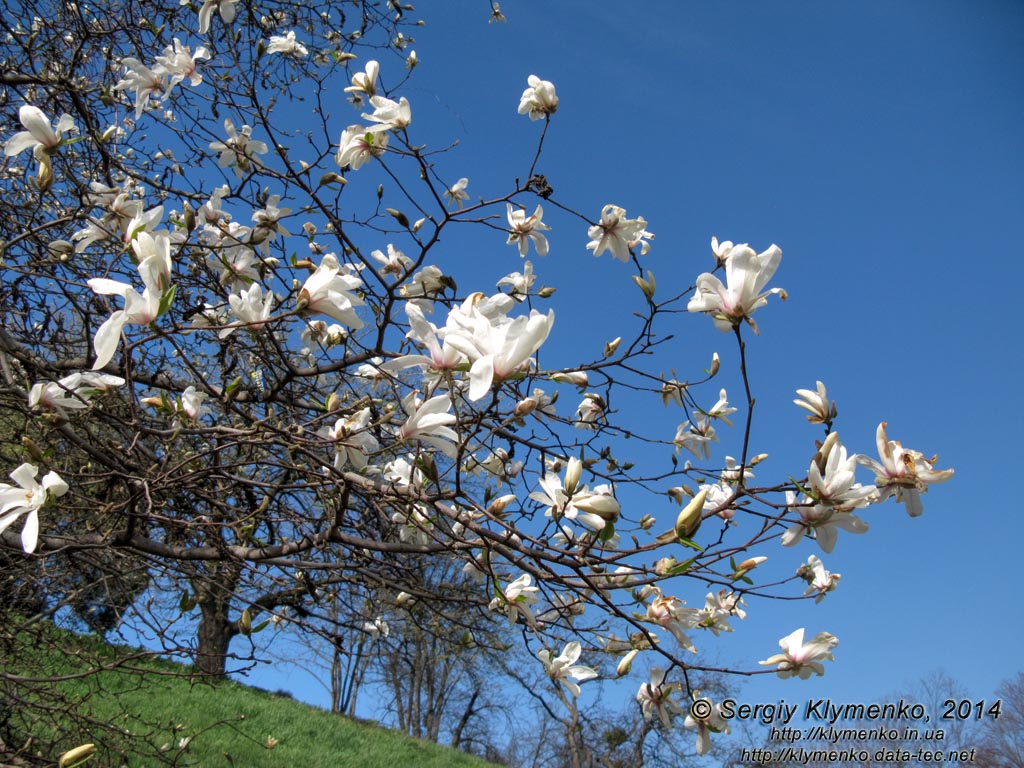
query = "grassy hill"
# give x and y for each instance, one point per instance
(150, 713)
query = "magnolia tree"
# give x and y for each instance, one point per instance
(242, 375)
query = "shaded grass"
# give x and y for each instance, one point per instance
(153, 712)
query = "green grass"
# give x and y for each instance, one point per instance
(227, 724)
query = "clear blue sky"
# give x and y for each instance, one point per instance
(879, 145)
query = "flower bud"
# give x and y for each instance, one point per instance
(611, 346)
(689, 519)
(245, 623)
(401, 218)
(757, 459)
(572, 475)
(498, 506)
(715, 364)
(626, 663)
(525, 407)
(77, 756)
(576, 378)
(746, 566)
(546, 292)
(664, 565)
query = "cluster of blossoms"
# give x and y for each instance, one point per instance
(152, 85)
(463, 366)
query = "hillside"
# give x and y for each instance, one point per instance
(151, 713)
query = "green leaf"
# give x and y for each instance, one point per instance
(606, 533)
(167, 300)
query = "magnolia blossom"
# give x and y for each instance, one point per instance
(364, 83)
(456, 193)
(590, 411)
(251, 307)
(394, 263)
(428, 422)
(618, 234)
(389, 115)
(516, 600)
(671, 614)
(498, 346)
(155, 270)
(903, 473)
(563, 667)
(819, 581)
(73, 391)
(519, 283)
(377, 628)
(705, 725)
(145, 82)
(826, 522)
(834, 484)
(192, 404)
(747, 273)
(39, 136)
(523, 229)
(239, 150)
(800, 658)
(573, 502)
(358, 144)
(27, 498)
(539, 100)
(721, 410)
(288, 45)
(655, 698)
(353, 442)
(817, 404)
(441, 356)
(696, 437)
(226, 8)
(328, 291)
(180, 64)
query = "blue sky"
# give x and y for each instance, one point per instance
(879, 145)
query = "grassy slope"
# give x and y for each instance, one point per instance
(229, 723)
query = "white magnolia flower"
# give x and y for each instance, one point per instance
(364, 83)
(155, 270)
(539, 100)
(145, 82)
(816, 403)
(671, 614)
(394, 263)
(73, 391)
(330, 291)
(389, 115)
(180, 64)
(696, 437)
(713, 722)
(226, 8)
(288, 45)
(456, 193)
(563, 667)
(618, 234)
(747, 273)
(251, 307)
(519, 283)
(39, 136)
(192, 405)
(359, 144)
(353, 442)
(428, 422)
(802, 659)
(523, 229)
(27, 498)
(826, 522)
(819, 581)
(377, 628)
(516, 600)
(903, 473)
(239, 150)
(655, 698)
(834, 484)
